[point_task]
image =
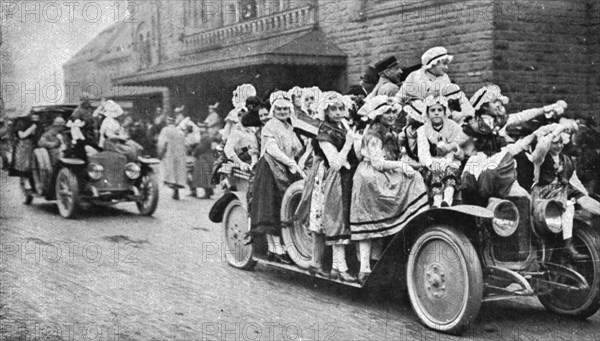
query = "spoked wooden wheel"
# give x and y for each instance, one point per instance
(585, 302)
(235, 227)
(445, 280)
(149, 192)
(67, 193)
(296, 238)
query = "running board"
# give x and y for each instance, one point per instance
(302, 271)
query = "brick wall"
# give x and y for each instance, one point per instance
(407, 29)
(547, 50)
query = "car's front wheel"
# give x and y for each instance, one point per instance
(67, 193)
(149, 194)
(581, 303)
(444, 279)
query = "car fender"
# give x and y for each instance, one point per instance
(216, 212)
(393, 260)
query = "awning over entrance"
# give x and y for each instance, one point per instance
(304, 48)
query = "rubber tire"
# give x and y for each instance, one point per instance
(73, 185)
(591, 237)
(247, 262)
(288, 207)
(473, 276)
(148, 211)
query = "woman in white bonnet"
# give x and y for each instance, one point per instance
(276, 170)
(240, 95)
(430, 79)
(112, 135)
(325, 202)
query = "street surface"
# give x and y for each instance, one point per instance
(113, 275)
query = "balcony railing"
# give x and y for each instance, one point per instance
(262, 27)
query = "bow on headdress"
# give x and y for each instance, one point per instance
(378, 106)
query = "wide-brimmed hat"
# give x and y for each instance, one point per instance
(487, 94)
(416, 110)
(435, 54)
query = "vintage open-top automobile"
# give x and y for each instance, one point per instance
(105, 179)
(449, 260)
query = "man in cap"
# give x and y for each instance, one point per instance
(389, 72)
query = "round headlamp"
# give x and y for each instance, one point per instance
(132, 170)
(94, 171)
(548, 216)
(506, 217)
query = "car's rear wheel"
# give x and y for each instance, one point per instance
(235, 227)
(296, 238)
(445, 280)
(149, 194)
(67, 193)
(579, 303)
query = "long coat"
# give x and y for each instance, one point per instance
(204, 161)
(171, 149)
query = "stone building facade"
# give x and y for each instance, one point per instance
(200, 50)
(110, 55)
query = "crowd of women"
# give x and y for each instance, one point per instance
(395, 145)
(391, 148)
